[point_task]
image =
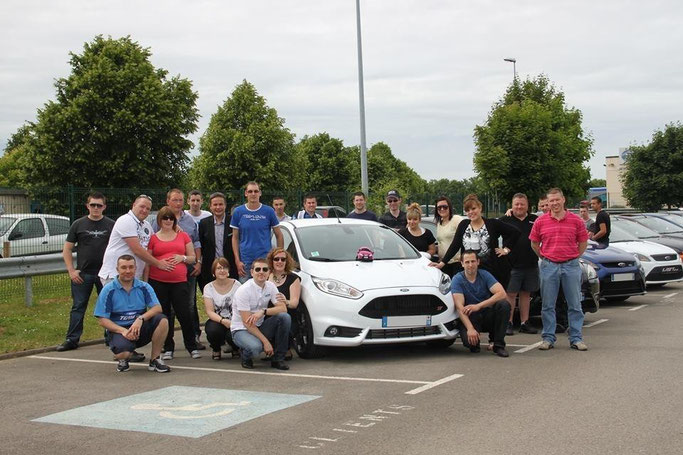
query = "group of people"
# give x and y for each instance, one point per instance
(146, 274)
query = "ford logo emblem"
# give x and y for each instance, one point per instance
(405, 290)
(622, 264)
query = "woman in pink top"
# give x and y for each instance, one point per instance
(171, 286)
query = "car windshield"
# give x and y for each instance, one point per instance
(5, 223)
(341, 242)
(636, 229)
(659, 225)
(674, 219)
(617, 234)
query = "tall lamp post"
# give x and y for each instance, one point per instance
(514, 66)
(361, 102)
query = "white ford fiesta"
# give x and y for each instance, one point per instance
(362, 283)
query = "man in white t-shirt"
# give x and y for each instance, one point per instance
(195, 201)
(250, 330)
(130, 235)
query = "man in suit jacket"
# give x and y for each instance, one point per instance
(215, 236)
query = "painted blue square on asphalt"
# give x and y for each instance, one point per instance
(179, 411)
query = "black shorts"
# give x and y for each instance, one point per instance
(523, 280)
(118, 343)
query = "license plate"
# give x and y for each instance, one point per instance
(406, 321)
(623, 277)
(672, 269)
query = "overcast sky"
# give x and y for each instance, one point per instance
(432, 68)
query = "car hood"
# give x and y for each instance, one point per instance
(376, 274)
(644, 247)
(598, 253)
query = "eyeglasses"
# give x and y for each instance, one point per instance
(441, 207)
(168, 218)
(253, 191)
(280, 259)
(260, 269)
(392, 200)
(95, 205)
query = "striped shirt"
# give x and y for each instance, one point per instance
(559, 239)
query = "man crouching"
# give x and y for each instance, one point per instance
(130, 311)
(481, 303)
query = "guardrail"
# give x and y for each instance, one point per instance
(29, 266)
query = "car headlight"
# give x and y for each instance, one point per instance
(334, 287)
(641, 257)
(589, 268)
(445, 284)
(589, 263)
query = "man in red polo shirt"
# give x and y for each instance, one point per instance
(559, 238)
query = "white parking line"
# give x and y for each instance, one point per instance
(264, 373)
(528, 348)
(593, 324)
(433, 384)
(668, 296)
(636, 308)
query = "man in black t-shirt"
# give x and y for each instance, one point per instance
(601, 228)
(395, 218)
(90, 234)
(524, 278)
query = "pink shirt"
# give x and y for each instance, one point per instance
(559, 239)
(162, 250)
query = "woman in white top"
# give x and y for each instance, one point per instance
(218, 305)
(446, 225)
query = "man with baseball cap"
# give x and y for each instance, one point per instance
(395, 218)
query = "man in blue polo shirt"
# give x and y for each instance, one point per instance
(130, 311)
(482, 305)
(251, 225)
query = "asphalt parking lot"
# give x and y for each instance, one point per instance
(622, 396)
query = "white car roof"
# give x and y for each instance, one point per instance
(31, 215)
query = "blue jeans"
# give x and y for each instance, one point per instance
(275, 328)
(568, 274)
(81, 295)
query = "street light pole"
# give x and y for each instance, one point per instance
(514, 67)
(361, 102)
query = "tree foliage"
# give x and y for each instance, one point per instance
(13, 162)
(245, 140)
(325, 164)
(116, 121)
(654, 172)
(531, 141)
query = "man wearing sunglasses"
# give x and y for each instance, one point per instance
(395, 218)
(91, 234)
(251, 331)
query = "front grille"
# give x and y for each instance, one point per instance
(403, 305)
(616, 265)
(664, 257)
(382, 334)
(657, 275)
(609, 288)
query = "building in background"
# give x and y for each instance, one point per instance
(614, 172)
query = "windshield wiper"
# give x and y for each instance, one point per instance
(321, 259)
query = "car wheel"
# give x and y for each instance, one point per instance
(617, 299)
(440, 344)
(304, 339)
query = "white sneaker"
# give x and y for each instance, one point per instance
(168, 355)
(195, 355)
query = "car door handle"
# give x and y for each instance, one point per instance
(45, 242)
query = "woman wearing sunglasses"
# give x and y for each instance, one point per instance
(446, 225)
(288, 283)
(218, 296)
(170, 286)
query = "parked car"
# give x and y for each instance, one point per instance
(620, 273)
(392, 297)
(661, 264)
(645, 233)
(33, 233)
(667, 217)
(330, 211)
(661, 226)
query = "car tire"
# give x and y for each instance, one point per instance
(304, 339)
(440, 344)
(617, 299)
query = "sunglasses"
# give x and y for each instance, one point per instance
(441, 207)
(392, 200)
(260, 269)
(146, 197)
(168, 218)
(280, 259)
(95, 205)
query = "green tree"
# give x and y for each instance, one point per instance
(654, 172)
(13, 161)
(326, 164)
(116, 121)
(245, 140)
(597, 183)
(532, 141)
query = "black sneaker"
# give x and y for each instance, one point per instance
(122, 366)
(158, 365)
(136, 357)
(248, 364)
(200, 346)
(475, 349)
(525, 327)
(500, 352)
(279, 364)
(68, 345)
(508, 331)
